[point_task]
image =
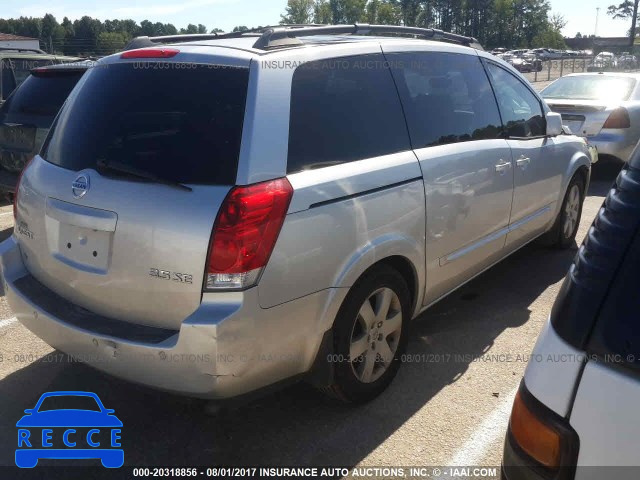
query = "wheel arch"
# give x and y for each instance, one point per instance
(400, 252)
(580, 164)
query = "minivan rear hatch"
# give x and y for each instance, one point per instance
(116, 214)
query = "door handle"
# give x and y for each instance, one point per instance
(522, 162)
(502, 167)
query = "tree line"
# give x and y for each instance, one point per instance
(496, 23)
(625, 10)
(89, 36)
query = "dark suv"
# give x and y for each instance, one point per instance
(28, 113)
(16, 63)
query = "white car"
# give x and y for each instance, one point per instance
(576, 414)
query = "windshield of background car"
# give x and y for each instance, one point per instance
(69, 402)
(37, 101)
(591, 87)
(179, 124)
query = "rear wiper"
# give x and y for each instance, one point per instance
(136, 172)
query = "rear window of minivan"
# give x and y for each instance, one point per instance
(179, 124)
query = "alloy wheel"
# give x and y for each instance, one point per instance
(376, 335)
(571, 212)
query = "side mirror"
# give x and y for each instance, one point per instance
(554, 124)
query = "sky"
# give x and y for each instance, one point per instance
(226, 14)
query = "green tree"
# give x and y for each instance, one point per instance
(322, 12)
(626, 9)
(298, 11)
(49, 24)
(550, 39)
(240, 28)
(411, 9)
(550, 35)
(347, 11)
(111, 42)
(132, 28)
(371, 11)
(147, 28)
(29, 27)
(388, 14)
(53, 34)
(86, 31)
(557, 22)
(191, 29)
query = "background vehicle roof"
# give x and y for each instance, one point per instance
(635, 75)
(34, 55)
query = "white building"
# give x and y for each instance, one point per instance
(15, 41)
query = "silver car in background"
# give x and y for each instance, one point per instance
(217, 215)
(604, 108)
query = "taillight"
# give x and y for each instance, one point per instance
(539, 437)
(619, 118)
(538, 440)
(15, 196)
(245, 232)
(151, 53)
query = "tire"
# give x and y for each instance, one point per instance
(375, 336)
(564, 230)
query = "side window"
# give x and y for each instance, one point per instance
(342, 110)
(8, 82)
(447, 97)
(521, 110)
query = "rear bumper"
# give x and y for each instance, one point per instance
(228, 347)
(618, 144)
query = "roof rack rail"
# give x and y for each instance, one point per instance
(282, 35)
(144, 41)
(285, 35)
(20, 49)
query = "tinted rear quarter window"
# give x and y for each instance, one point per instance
(447, 97)
(342, 110)
(180, 124)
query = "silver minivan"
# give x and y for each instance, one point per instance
(223, 214)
